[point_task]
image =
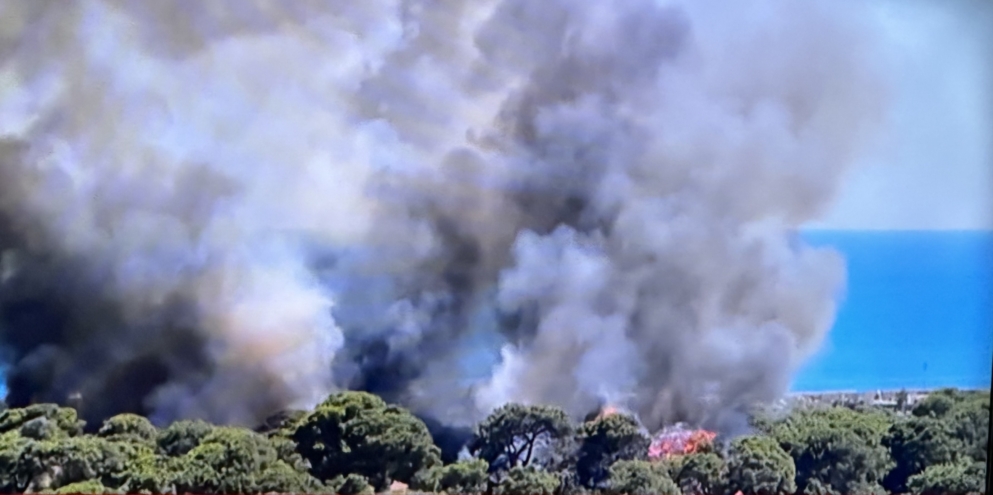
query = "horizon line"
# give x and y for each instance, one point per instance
(987, 230)
(930, 388)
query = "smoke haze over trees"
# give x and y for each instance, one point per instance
(219, 211)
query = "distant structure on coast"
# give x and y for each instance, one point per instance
(897, 400)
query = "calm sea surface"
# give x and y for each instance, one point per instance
(918, 312)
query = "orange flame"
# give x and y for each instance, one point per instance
(698, 440)
(679, 440)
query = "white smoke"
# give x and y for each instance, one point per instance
(626, 176)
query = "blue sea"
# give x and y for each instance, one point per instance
(918, 312)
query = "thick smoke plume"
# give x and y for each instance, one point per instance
(220, 209)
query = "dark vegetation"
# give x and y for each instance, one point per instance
(356, 443)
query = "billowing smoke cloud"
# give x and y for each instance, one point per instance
(222, 209)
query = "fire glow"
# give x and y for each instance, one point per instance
(679, 440)
(675, 440)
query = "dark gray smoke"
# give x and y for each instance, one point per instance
(223, 209)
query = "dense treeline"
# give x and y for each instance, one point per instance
(356, 443)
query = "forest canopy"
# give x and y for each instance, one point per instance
(355, 442)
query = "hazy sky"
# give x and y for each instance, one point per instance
(936, 171)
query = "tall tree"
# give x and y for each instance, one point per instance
(639, 477)
(914, 445)
(527, 480)
(603, 442)
(35, 465)
(703, 473)
(358, 433)
(937, 404)
(837, 449)
(517, 435)
(237, 460)
(759, 466)
(182, 436)
(128, 427)
(42, 421)
(464, 477)
(958, 478)
(970, 424)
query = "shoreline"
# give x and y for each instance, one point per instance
(885, 391)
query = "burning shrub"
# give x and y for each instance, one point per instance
(680, 440)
